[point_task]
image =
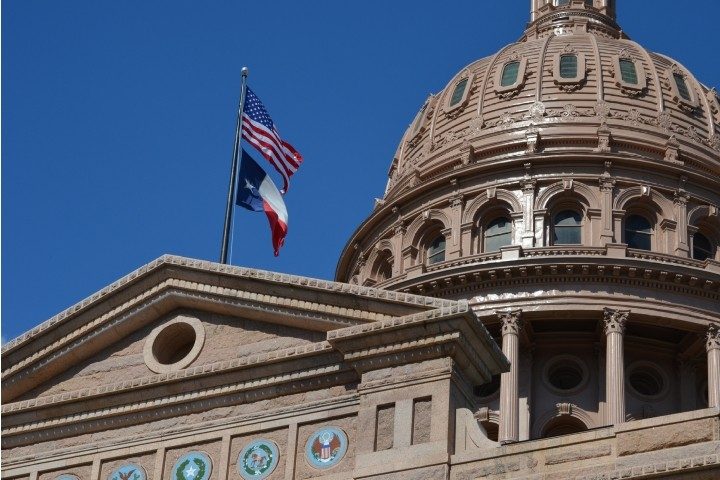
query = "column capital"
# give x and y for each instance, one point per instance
(615, 320)
(511, 321)
(713, 337)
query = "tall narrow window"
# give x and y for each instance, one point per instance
(498, 234)
(567, 228)
(638, 232)
(702, 247)
(628, 71)
(682, 87)
(458, 92)
(436, 250)
(568, 66)
(510, 74)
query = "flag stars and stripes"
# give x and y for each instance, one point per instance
(259, 130)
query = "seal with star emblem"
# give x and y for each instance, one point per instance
(258, 459)
(192, 466)
(129, 471)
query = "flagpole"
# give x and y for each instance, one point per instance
(233, 171)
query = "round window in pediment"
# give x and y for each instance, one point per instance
(174, 345)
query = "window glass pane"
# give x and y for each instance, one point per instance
(682, 86)
(568, 66)
(638, 232)
(567, 228)
(628, 71)
(498, 234)
(589, 3)
(639, 224)
(509, 74)
(561, 3)
(436, 250)
(702, 247)
(458, 92)
(567, 218)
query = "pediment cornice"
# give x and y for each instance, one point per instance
(175, 282)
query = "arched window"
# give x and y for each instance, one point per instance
(567, 228)
(628, 71)
(436, 250)
(702, 247)
(638, 232)
(510, 74)
(564, 425)
(568, 66)
(682, 87)
(492, 429)
(459, 92)
(498, 233)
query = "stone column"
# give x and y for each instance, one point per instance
(713, 360)
(509, 395)
(614, 365)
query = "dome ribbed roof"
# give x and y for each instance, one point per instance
(543, 111)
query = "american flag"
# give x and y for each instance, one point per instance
(259, 130)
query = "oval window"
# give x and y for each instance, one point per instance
(459, 92)
(628, 71)
(510, 74)
(568, 66)
(682, 87)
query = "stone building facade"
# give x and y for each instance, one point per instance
(536, 296)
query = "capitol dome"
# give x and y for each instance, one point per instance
(569, 183)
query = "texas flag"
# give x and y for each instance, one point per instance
(257, 192)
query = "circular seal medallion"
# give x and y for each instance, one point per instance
(258, 459)
(67, 476)
(129, 471)
(326, 447)
(192, 466)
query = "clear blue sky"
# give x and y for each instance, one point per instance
(118, 121)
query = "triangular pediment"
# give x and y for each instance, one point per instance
(143, 298)
(181, 336)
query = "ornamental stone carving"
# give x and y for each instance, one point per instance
(615, 320)
(511, 322)
(713, 337)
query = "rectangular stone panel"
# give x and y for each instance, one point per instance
(385, 429)
(665, 436)
(421, 420)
